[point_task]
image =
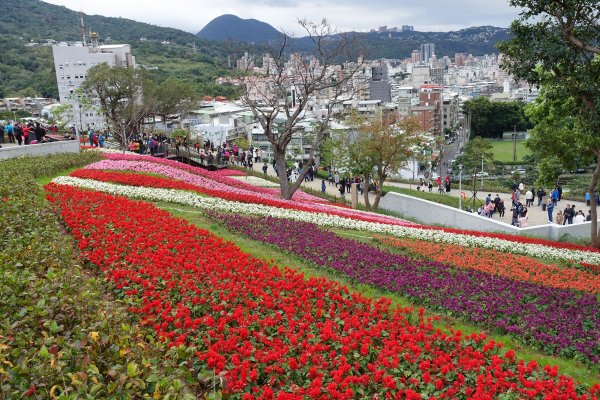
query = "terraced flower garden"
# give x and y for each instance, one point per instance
(358, 305)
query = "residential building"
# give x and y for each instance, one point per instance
(32, 105)
(429, 111)
(421, 75)
(72, 63)
(437, 76)
(380, 86)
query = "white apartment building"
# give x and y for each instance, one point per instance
(72, 62)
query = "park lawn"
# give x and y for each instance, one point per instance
(503, 150)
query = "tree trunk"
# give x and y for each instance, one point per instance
(378, 193)
(282, 174)
(595, 235)
(366, 192)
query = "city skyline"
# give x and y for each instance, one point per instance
(434, 15)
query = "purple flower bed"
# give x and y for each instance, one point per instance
(561, 322)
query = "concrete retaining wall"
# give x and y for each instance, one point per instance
(40, 149)
(432, 213)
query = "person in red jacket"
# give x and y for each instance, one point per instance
(25, 134)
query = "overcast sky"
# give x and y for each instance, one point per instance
(359, 15)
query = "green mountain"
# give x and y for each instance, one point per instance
(230, 27)
(27, 68)
(26, 63)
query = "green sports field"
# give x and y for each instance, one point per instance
(503, 150)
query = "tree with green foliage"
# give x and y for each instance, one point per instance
(555, 46)
(492, 118)
(125, 95)
(375, 149)
(476, 153)
(174, 97)
(556, 139)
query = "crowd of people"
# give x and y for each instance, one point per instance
(520, 209)
(22, 133)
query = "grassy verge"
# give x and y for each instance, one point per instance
(444, 199)
(62, 332)
(503, 150)
(577, 370)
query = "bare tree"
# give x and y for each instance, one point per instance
(292, 83)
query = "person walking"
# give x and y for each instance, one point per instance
(572, 214)
(10, 133)
(18, 131)
(566, 214)
(540, 195)
(559, 218)
(559, 190)
(342, 188)
(550, 209)
(554, 196)
(529, 198)
(323, 187)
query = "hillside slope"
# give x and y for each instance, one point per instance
(26, 69)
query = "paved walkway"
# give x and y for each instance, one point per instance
(535, 214)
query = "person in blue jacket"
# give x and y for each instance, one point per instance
(550, 209)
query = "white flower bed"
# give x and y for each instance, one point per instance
(322, 219)
(256, 181)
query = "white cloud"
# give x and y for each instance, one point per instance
(360, 15)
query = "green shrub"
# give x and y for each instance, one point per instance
(62, 333)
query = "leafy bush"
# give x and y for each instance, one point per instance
(62, 335)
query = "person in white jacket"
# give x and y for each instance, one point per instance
(579, 218)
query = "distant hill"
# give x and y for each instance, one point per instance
(476, 40)
(232, 28)
(27, 69)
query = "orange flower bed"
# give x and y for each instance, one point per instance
(495, 262)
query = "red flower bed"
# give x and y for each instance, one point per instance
(207, 174)
(242, 185)
(134, 179)
(498, 263)
(275, 334)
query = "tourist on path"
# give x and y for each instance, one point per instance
(550, 208)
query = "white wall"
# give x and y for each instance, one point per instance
(41, 149)
(431, 213)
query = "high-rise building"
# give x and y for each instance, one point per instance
(380, 85)
(72, 62)
(459, 59)
(415, 57)
(407, 28)
(427, 51)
